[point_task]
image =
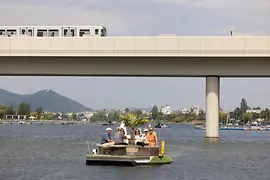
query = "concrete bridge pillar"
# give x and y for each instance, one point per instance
(212, 106)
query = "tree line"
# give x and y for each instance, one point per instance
(239, 114)
(154, 115)
(244, 116)
(23, 109)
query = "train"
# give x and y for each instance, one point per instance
(53, 31)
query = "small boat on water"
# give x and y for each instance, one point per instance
(161, 125)
(67, 123)
(199, 126)
(127, 155)
(109, 123)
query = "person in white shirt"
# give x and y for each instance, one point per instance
(137, 136)
(143, 135)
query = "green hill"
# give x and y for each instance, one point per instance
(48, 99)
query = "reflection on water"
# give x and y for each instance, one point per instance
(42, 152)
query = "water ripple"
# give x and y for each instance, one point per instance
(46, 152)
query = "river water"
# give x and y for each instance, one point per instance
(56, 152)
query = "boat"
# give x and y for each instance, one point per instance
(199, 126)
(161, 125)
(67, 123)
(127, 155)
(109, 123)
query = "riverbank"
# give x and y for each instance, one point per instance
(78, 122)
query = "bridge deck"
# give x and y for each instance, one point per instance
(168, 46)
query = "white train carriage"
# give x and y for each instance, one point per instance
(53, 31)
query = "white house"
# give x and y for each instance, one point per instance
(166, 109)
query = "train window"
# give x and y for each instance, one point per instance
(65, 32)
(41, 33)
(53, 32)
(72, 32)
(96, 31)
(84, 32)
(30, 32)
(2, 32)
(103, 32)
(11, 32)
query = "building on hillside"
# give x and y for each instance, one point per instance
(195, 109)
(192, 109)
(166, 109)
(258, 111)
(88, 115)
(184, 111)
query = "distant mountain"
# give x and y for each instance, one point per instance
(48, 99)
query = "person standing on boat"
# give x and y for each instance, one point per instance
(106, 137)
(119, 137)
(151, 137)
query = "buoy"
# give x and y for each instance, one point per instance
(162, 147)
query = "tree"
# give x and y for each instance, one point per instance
(24, 109)
(113, 116)
(48, 116)
(201, 116)
(99, 116)
(39, 111)
(126, 110)
(137, 112)
(232, 115)
(74, 117)
(266, 114)
(237, 113)
(132, 121)
(191, 116)
(154, 112)
(243, 106)
(171, 117)
(9, 111)
(223, 117)
(247, 117)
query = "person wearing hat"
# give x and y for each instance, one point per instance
(106, 137)
(145, 133)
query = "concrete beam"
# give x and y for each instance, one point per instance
(135, 66)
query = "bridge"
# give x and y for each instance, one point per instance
(166, 55)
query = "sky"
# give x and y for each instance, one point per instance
(142, 18)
